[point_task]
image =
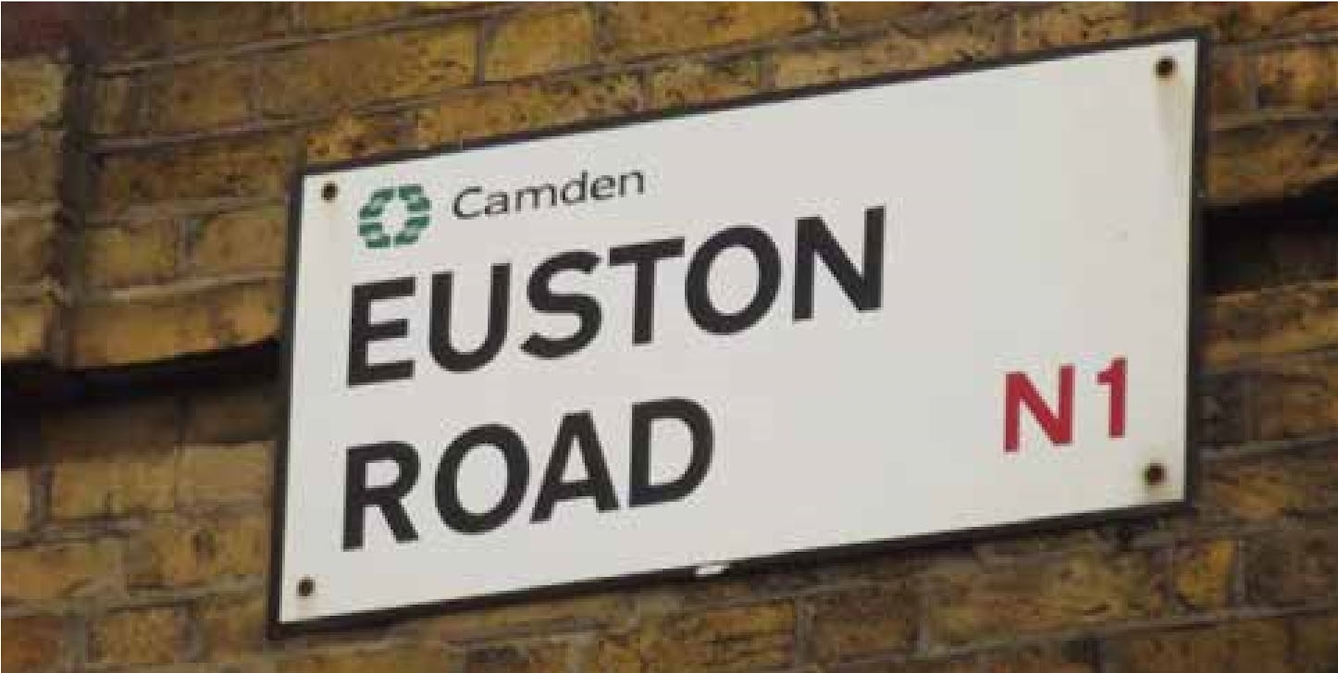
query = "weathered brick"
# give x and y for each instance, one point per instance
(200, 95)
(1260, 488)
(1277, 399)
(222, 474)
(1073, 23)
(231, 625)
(979, 37)
(1315, 648)
(852, 14)
(246, 166)
(356, 71)
(127, 482)
(730, 639)
(1292, 567)
(25, 325)
(1075, 657)
(143, 330)
(1236, 21)
(960, 664)
(1236, 646)
(1202, 577)
(1230, 88)
(141, 636)
(33, 90)
(863, 621)
(31, 169)
(501, 110)
(580, 613)
(1272, 321)
(1089, 588)
(193, 25)
(326, 16)
(1299, 77)
(115, 104)
(510, 658)
(238, 242)
(144, 253)
(1271, 160)
(635, 30)
(103, 430)
(695, 82)
(63, 570)
(32, 643)
(355, 136)
(402, 659)
(231, 415)
(30, 249)
(530, 43)
(16, 500)
(182, 552)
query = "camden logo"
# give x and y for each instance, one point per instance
(371, 217)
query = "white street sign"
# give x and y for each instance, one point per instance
(880, 313)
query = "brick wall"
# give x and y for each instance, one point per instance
(146, 156)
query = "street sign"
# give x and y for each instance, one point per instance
(880, 313)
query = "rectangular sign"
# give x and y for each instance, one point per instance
(885, 312)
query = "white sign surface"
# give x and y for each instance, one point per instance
(874, 314)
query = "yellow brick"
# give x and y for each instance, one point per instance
(1073, 23)
(401, 659)
(64, 570)
(1266, 488)
(694, 82)
(145, 330)
(851, 14)
(580, 612)
(25, 324)
(231, 625)
(17, 500)
(1271, 161)
(1202, 577)
(355, 136)
(222, 474)
(115, 105)
(30, 170)
(973, 602)
(1230, 87)
(192, 25)
(551, 658)
(31, 643)
(1300, 77)
(1255, 646)
(33, 90)
(740, 638)
(1235, 21)
(141, 636)
(140, 254)
(357, 71)
(29, 246)
(967, 41)
(231, 414)
(635, 30)
(196, 96)
(530, 43)
(247, 166)
(501, 110)
(247, 241)
(181, 552)
(1042, 659)
(1316, 648)
(323, 16)
(861, 622)
(114, 485)
(1273, 321)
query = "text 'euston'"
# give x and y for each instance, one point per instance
(815, 246)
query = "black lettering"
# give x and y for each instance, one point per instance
(582, 185)
(459, 198)
(576, 429)
(533, 193)
(813, 239)
(642, 492)
(358, 496)
(764, 252)
(544, 300)
(439, 327)
(644, 256)
(628, 176)
(603, 188)
(361, 332)
(453, 513)
(497, 204)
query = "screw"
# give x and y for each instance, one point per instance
(1165, 67)
(1154, 474)
(306, 586)
(329, 191)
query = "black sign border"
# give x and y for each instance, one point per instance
(380, 617)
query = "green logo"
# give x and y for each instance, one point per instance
(373, 230)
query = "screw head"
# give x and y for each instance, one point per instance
(1154, 474)
(306, 587)
(329, 191)
(1165, 67)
